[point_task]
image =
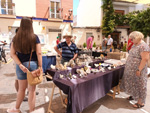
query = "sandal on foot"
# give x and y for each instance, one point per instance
(130, 98)
(13, 110)
(137, 105)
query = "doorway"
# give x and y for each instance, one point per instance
(116, 36)
(88, 35)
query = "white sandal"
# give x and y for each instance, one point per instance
(13, 110)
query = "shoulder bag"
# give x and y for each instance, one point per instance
(33, 77)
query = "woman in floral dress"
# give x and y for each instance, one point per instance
(134, 80)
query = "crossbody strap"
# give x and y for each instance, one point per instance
(72, 51)
(30, 60)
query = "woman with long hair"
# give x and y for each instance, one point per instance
(25, 42)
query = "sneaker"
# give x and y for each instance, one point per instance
(13, 110)
(25, 99)
(37, 93)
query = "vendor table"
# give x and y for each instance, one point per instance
(85, 52)
(82, 92)
(47, 61)
(97, 54)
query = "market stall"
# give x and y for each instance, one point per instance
(85, 84)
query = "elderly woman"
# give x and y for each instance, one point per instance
(134, 80)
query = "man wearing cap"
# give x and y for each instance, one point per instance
(69, 49)
(58, 40)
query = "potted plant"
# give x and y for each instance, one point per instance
(94, 45)
(124, 47)
(84, 45)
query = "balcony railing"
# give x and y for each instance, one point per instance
(7, 8)
(55, 12)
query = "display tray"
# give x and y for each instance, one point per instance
(105, 64)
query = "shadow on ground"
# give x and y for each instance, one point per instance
(3, 110)
(56, 107)
(10, 74)
(7, 98)
(114, 104)
(45, 85)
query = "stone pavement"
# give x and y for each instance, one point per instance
(103, 105)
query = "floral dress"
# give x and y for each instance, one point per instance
(132, 84)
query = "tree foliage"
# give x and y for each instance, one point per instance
(141, 22)
(108, 22)
(124, 20)
(137, 20)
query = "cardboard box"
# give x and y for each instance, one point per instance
(116, 55)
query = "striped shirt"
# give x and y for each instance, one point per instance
(67, 51)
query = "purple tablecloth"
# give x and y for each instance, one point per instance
(82, 92)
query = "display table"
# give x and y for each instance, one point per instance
(82, 92)
(47, 61)
(85, 52)
(97, 54)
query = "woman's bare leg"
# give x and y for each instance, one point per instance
(21, 92)
(31, 97)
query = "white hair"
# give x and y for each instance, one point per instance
(136, 35)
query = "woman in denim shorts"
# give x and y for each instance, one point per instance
(25, 42)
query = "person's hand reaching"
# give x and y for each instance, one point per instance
(23, 68)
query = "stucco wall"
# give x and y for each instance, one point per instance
(40, 27)
(25, 7)
(80, 33)
(89, 13)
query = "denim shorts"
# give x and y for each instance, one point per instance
(23, 76)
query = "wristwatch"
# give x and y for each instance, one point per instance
(138, 70)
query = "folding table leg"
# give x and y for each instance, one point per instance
(50, 102)
(51, 98)
(114, 93)
(118, 89)
(61, 97)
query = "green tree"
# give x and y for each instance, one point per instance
(108, 22)
(124, 20)
(141, 22)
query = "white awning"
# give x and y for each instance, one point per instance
(136, 1)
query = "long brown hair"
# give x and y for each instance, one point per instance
(25, 39)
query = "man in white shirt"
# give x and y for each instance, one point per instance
(109, 42)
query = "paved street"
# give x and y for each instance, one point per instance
(104, 105)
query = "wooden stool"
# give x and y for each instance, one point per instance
(51, 97)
